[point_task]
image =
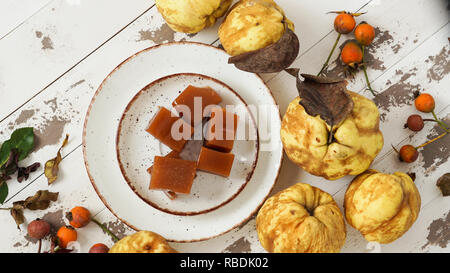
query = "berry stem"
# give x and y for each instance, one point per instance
(431, 141)
(105, 229)
(329, 55)
(440, 123)
(40, 245)
(365, 73)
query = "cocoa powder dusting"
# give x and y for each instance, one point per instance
(439, 232)
(412, 72)
(55, 219)
(438, 152)
(51, 132)
(117, 228)
(47, 43)
(24, 116)
(76, 84)
(396, 48)
(240, 246)
(52, 103)
(381, 37)
(400, 93)
(441, 66)
(163, 34)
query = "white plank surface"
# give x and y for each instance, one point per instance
(13, 13)
(407, 55)
(55, 39)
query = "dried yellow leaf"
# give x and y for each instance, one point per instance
(52, 166)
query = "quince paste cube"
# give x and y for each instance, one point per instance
(222, 130)
(173, 174)
(215, 162)
(187, 98)
(161, 128)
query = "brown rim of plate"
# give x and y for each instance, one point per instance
(92, 179)
(128, 180)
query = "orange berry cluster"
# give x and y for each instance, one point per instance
(424, 103)
(78, 217)
(352, 54)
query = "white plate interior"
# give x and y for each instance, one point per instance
(136, 148)
(106, 109)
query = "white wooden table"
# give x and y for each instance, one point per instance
(55, 53)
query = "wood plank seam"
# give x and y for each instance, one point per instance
(411, 51)
(26, 20)
(77, 63)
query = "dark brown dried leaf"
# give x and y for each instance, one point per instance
(322, 79)
(4, 178)
(52, 166)
(24, 172)
(326, 97)
(270, 59)
(17, 214)
(39, 201)
(412, 175)
(444, 184)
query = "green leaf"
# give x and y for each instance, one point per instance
(21, 139)
(5, 152)
(3, 192)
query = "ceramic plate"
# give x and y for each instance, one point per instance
(104, 115)
(136, 148)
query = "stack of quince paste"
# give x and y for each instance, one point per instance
(327, 130)
(174, 174)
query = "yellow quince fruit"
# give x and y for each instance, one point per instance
(142, 242)
(191, 16)
(251, 25)
(356, 140)
(301, 219)
(382, 206)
